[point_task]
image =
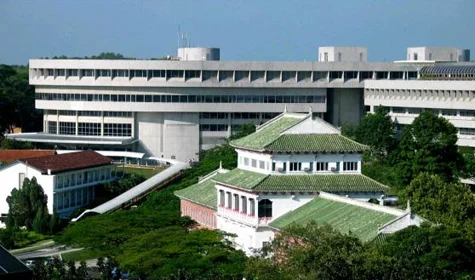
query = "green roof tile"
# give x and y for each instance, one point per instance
(203, 193)
(240, 178)
(326, 183)
(262, 137)
(326, 143)
(362, 222)
(294, 183)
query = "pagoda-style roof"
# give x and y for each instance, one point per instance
(334, 183)
(362, 222)
(298, 133)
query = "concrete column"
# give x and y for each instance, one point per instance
(77, 121)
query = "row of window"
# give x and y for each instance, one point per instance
(409, 93)
(90, 129)
(297, 166)
(226, 74)
(183, 98)
(244, 115)
(85, 177)
(442, 112)
(237, 203)
(89, 113)
(73, 198)
(466, 131)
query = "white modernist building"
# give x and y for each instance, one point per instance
(294, 168)
(68, 180)
(174, 108)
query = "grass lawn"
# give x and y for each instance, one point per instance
(146, 172)
(81, 255)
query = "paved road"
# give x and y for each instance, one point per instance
(53, 251)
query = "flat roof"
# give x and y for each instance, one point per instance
(42, 137)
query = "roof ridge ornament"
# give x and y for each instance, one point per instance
(220, 165)
(285, 108)
(310, 110)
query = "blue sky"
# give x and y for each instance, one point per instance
(244, 30)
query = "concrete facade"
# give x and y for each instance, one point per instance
(175, 108)
(437, 54)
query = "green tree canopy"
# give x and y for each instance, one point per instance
(28, 207)
(195, 254)
(428, 145)
(452, 204)
(377, 131)
(427, 252)
(308, 252)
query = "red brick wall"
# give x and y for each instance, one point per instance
(202, 215)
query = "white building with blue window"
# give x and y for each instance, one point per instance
(68, 180)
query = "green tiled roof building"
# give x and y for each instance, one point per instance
(293, 169)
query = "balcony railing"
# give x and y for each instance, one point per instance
(237, 215)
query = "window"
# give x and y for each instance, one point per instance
(339, 56)
(361, 56)
(325, 57)
(265, 209)
(252, 207)
(120, 73)
(67, 128)
(243, 204)
(190, 74)
(295, 166)
(414, 111)
(254, 163)
(118, 129)
(236, 202)
(89, 129)
(59, 182)
(415, 56)
(451, 113)
(322, 166)
(175, 73)
(103, 73)
(228, 200)
(158, 73)
(221, 198)
(466, 131)
(273, 75)
(465, 113)
(72, 72)
(52, 127)
(87, 73)
(246, 161)
(350, 166)
(262, 164)
(21, 179)
(138, 73)
(399, 110)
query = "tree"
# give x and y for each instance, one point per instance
(28, 207)
(426, 252)
(349, 130)
(428, 145)
(377, 131)
(17, 101)
(199, 254)
(308, 252)
(452, 204)
(243, 130)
